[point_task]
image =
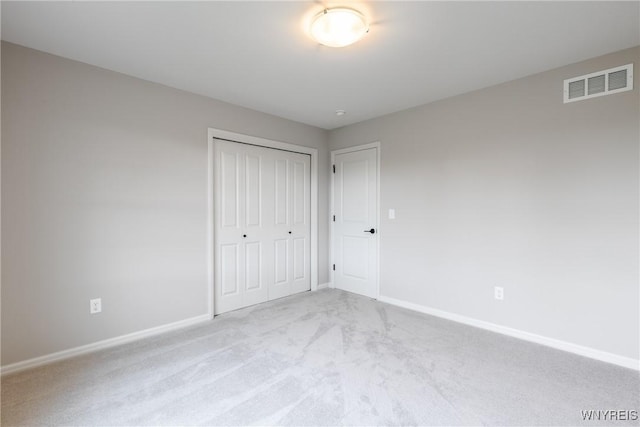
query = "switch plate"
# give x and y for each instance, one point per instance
(498, 293)
(392, 214)
(95, 305)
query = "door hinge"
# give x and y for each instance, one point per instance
(334, 218)
(334, 168)
(334, 267)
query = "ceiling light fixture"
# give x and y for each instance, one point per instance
(338, 27)
(340, 112)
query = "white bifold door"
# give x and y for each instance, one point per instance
(262, 217)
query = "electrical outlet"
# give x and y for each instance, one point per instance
(392, 214)
(498, 293)
(95, 305)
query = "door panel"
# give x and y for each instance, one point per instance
(299, 258)
(281, 191)
(355, 191)
(230, 188)
(229, 257)
(299, 191)
(281, 286)
(355, 265)
(253, 189)
(355, 250)
(281, 268)
(253, 266)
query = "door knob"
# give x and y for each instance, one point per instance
(244, 235)
(372, 231)
(289, 232)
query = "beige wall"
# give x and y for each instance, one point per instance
(508, 186)
(104, 194)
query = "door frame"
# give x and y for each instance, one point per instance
(377, 146)
(213, 134)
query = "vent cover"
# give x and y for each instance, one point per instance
(607, 82)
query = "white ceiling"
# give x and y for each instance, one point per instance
(257, 55)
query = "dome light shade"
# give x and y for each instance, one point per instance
(338, 27)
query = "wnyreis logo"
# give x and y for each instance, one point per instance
(609, 415)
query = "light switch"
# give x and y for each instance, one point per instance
(392, 214)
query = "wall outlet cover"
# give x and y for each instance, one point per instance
(95, 305)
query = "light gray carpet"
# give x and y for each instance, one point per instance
(322, 358)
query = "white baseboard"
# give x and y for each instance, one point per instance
(592, 353)
(603, 356)
(100, 345)
(324, 285)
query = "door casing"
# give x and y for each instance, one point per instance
(332, 237)
(253, 140)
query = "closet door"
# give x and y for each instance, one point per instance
(244, 211)
(262, 234)
(292, 228)
(300, 236)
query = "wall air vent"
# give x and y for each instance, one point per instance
(607, 82)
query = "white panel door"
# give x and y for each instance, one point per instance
(262, 234)
(244, 210)
(281, 284)
(300, 227)
(355, 238)
(292, 225)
